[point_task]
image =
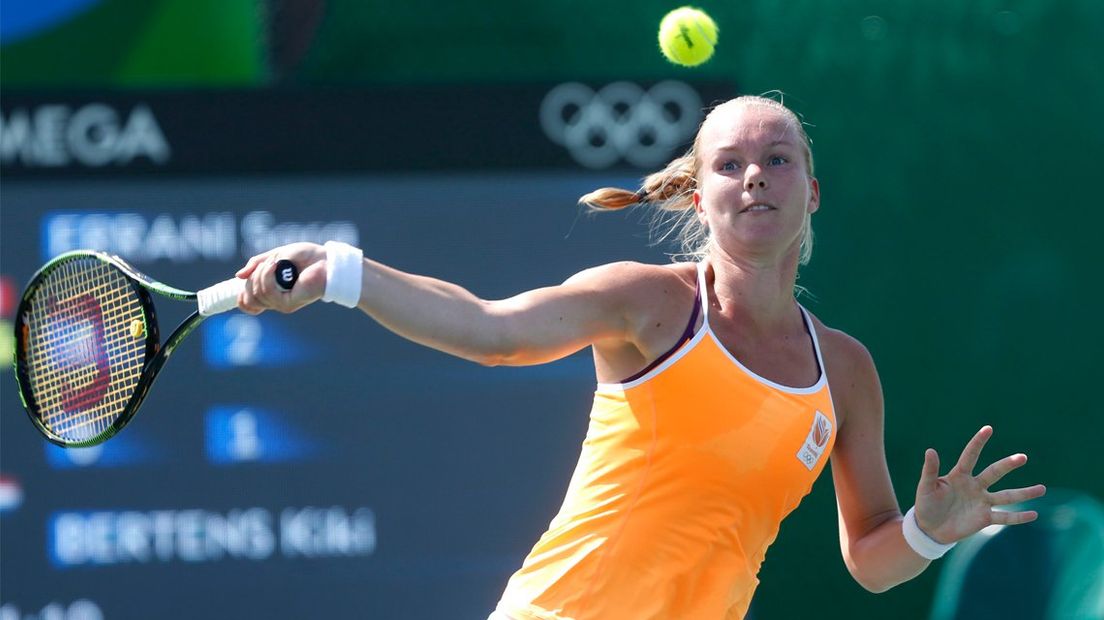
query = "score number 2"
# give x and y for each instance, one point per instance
(243, 334)
(233, 341)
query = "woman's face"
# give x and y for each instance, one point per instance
(754, 188)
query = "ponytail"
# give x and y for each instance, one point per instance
(670, 189)
(671, 194)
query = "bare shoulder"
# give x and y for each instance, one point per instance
(639, 288)
(842, 351)
(653, 300)
(631, 274)
(852, 375)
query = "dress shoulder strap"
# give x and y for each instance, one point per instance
(703, 294)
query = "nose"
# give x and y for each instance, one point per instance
(754, 179)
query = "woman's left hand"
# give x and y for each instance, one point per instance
(952, 507)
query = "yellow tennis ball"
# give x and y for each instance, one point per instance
(687, 36)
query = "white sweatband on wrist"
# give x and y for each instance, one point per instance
(344, 268)
(919, 541)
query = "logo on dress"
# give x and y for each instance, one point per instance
(816, 442)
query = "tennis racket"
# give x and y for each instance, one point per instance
(87, 345)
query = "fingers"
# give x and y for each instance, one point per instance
(261, 291)
(1001, 517)
(992, 474)
(246, 271)
(257, 296)
(265, 289)
(1015, 496)
(248, 301)
(929, 474)
(972, 452)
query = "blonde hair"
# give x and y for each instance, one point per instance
(670, 192)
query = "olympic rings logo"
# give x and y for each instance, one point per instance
(622, 120)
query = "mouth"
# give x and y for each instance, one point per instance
(757, 207)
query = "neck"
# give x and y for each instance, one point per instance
(758, 293)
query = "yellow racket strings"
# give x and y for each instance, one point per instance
(86, 347)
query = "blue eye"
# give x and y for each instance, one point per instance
(728, 165)
(778, 160)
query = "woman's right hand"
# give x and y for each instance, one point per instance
(261, 291)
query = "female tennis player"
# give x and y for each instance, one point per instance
(719, 397)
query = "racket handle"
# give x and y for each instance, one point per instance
(220, 297)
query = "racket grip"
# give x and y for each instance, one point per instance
(220, 297)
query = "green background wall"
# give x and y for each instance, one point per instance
(958, 145)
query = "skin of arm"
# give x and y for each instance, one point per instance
(871, 541)
(948, 508)
(533, 327)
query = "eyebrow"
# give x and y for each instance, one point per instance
(733, 147)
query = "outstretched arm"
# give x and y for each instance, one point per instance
(531, 328)
(947, 508)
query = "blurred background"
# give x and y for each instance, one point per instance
(316, 466)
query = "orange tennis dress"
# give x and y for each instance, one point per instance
(685, 476)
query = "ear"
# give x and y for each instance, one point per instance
(814, 195)
(697, 198)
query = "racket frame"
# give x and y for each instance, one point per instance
(156, 354)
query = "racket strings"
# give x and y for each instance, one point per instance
(86, 346)
(95, 390)
(119, 307)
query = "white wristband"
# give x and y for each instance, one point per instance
(919, 541)
(344, 268)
